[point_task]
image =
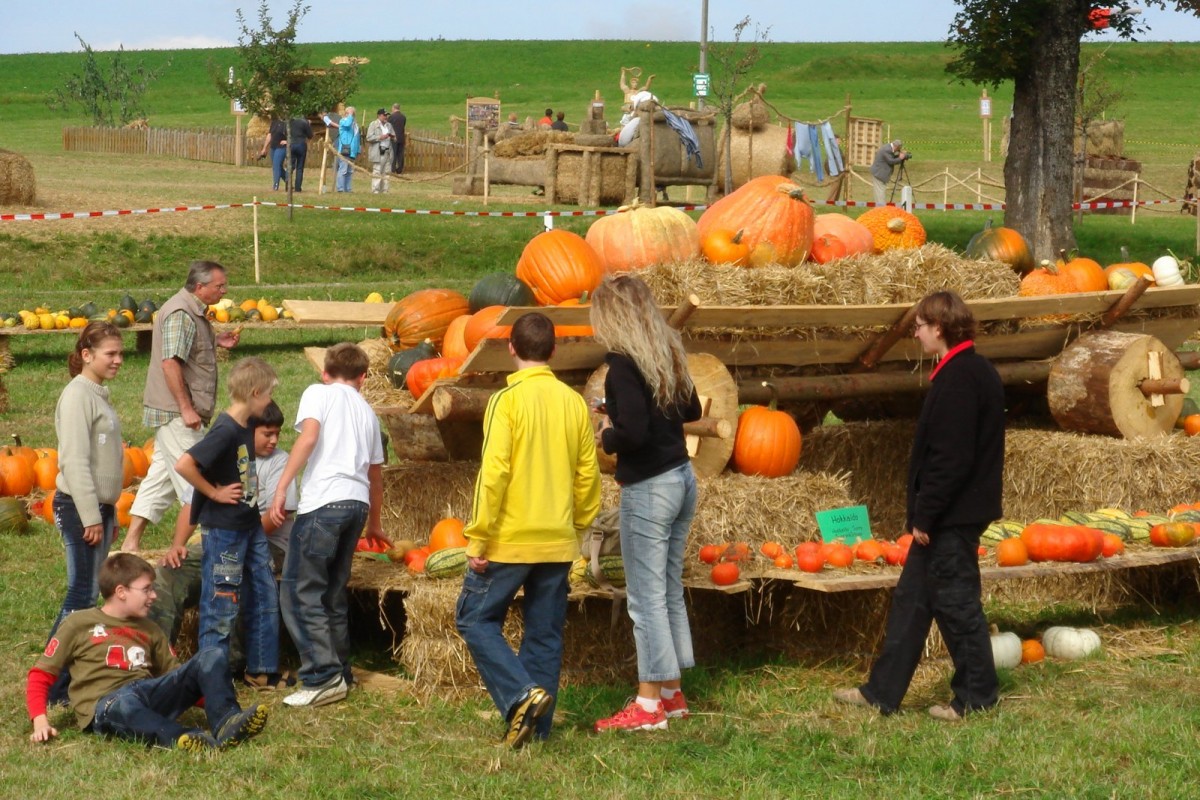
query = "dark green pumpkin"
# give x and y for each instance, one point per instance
(500, 289)
(127, 303)
(88, 309)
(13, 517)
(1002, 244)
(398, 365)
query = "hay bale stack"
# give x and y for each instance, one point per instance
(531, 143)
(754, 153)
(568, 183)
(416, 494)
(1105, 138)
(17, 184)
(378, 352)
(751, 115)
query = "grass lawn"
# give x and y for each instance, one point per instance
(1120, 725)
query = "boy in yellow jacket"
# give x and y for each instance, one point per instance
(538, 489)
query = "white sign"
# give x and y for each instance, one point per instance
(700, 84)
(985, 106)
(235, 107)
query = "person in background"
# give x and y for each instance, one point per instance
(128, 683)
(301, 131)
(348, 144)
(954, 492)
(90, 463)
(559, 124)
(380, 138)
(649, 394)
(547, 121)
(180, 395)
(537, 491)
(276, 143)
(398, 122)
(886, 159)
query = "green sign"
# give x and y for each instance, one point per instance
(851, 524)
(700, 84)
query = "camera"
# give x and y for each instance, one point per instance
(907, 155)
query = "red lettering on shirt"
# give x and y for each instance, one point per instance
(51, 647)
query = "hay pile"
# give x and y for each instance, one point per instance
(17, 184)
(1046, 472)
(752, 115)
(531, 144)
(416, 494)
(569, 186)
(762, 151)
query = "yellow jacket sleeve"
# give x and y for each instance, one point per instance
(495, 472)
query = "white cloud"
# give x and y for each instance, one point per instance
(167, 43)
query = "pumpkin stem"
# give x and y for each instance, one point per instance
(737, 237)
(793, 191)
(1049, 267)
(774, 395)
(16, 437)
(896, 224)
(1124, 254)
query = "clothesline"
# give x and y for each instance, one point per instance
(755, 90)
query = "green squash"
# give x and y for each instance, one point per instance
(13, 516)
(88, 310)
(127, 303)
(500, 289)
(148, 305)
(399, 364)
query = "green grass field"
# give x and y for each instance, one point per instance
(1121, 725)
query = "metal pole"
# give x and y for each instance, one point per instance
(703, 45)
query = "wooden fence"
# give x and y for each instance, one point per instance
(427, 151)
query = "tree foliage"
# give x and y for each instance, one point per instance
(733, 61)
(110, 94)
(271, 77)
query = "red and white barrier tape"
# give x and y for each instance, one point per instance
(118, 213)
(591, 212)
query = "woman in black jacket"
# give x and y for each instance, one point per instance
(954, 491)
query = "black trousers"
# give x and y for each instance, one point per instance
(940, 582)
(398, 160)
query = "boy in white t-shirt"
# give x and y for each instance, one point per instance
(341, 445)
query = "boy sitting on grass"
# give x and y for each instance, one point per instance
(235, 576)
(126, 682)
(341, 452)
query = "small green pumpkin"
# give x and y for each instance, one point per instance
(500, 289)
(13, 516)
(1002, 244)
(399, 364)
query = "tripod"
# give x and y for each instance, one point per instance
(901, 175)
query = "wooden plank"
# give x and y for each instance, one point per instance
(491, 355)
(310, 312)
(829, 582)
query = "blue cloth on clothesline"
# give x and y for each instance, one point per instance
(687, 135)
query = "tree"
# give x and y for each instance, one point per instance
(271, 77)
(1036, 45)
(733, 62)
(110, 96)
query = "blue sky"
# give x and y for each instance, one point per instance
(154, 24)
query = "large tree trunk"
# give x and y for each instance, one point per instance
(1038, 174)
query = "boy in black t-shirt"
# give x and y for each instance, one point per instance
(236, 569)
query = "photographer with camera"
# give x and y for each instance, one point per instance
(380, 139)
(891, 154)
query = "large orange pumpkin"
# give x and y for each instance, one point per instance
(767, 442)
(853, 234)
(447, 532)
(637, 237)
(482, 325)
(18, 476)
(1045, 280)
(422, 374)
(1002, 244)
(558, 265)
(454, 343)
(1087, 274)
(424, 314)
(893, 228)
(775, 219)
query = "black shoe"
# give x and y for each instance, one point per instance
(242, 725)
(533, 706)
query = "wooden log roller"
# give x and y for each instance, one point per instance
(1119, 384)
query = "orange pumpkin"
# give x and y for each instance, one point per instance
(124, 503)
(767, 442)
(1191, 424)
(869, 550)
(558, 265)
(637, 237)
(1136, 268)
(45, 471)
(141, 461)
(1012, 553)
(424, 314)
(574, 330)
(1001, 244)
(723, 246)
(454, 345)
(447, 532)
(422, 374)
(774, 216)
(1112, 545)
(771, 549)
(853, 234)
(725, 573)
(711, 553)
(838, 554)
(482, 325)
(1032, 651)
(1087, 275)
(18, 476)
(48, 506)
(893, 228)
(128, 471)
(1172, 534)
(828, 247)
(1045, 280)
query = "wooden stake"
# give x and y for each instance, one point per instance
(256, 273)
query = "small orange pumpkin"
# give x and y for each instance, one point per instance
(447, 532)
(574, 330)
(1032, 651)
(1045, 280)
(828, 247)
(1002, 244)
(124, 504)
(1191, 424)
(1012, 553)
(723, 246)
(725, 573)
(893, 228)
(45, 471)
(422, 374)
(1087, 275)
(767, 442)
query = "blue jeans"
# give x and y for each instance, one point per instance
(147, 710)
(479, 616)
(656, 514)
(344, 170)
(83, 559)
(236, 571)
(278, 173)
(313, 588)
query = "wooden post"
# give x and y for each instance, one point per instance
(256, 273)
(487, 161)
(680, 315)
(324, 162)
(1133, 208)
(978, 186)
(239, 146)
(945, 188)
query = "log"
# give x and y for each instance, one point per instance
(1152, 386)
(680, 315)
(413, 437)
(870, 358)
(1094, 386)
(1126, 302)
(710, 428)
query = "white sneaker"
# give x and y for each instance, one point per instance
(329, 692)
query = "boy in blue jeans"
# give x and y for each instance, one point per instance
(126, 681)
(236, 567)
(341, 452)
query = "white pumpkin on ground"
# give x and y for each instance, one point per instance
(1069, 643)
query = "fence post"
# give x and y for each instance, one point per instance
(978, 185)
(1133, 209)
(945, 189)
(256, 273)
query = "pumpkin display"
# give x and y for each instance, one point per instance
(574, 330)
(637, 237)
(446, 533)
(13, 516)
(1045, 280)
(774, 217)
(558, 265)
(1011, 553)
(1086, 274)
(827, 247)
(723, 246)
(482, 325)
(399, 364)
(893, 228)
(853, 234)
(767, 441)
(1006, 245)
(424, 314)
(1069, 643)
(1006, 649)
(1032, 651)
(422, 374)
(500, 289)
(454, 344)
(1172, 534)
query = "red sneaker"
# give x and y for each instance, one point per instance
(634, 718)
(676, 706)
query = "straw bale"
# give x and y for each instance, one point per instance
(531, 143)
(751, 115)
(762, 151)
(17, 183)
(378, 351)
(378, 391)
(256, 129)
(1105, 138)
(612, 178)
(416, 494)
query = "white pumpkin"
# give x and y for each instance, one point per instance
(1166, 271)
(1061, 641)
(1006, 649)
